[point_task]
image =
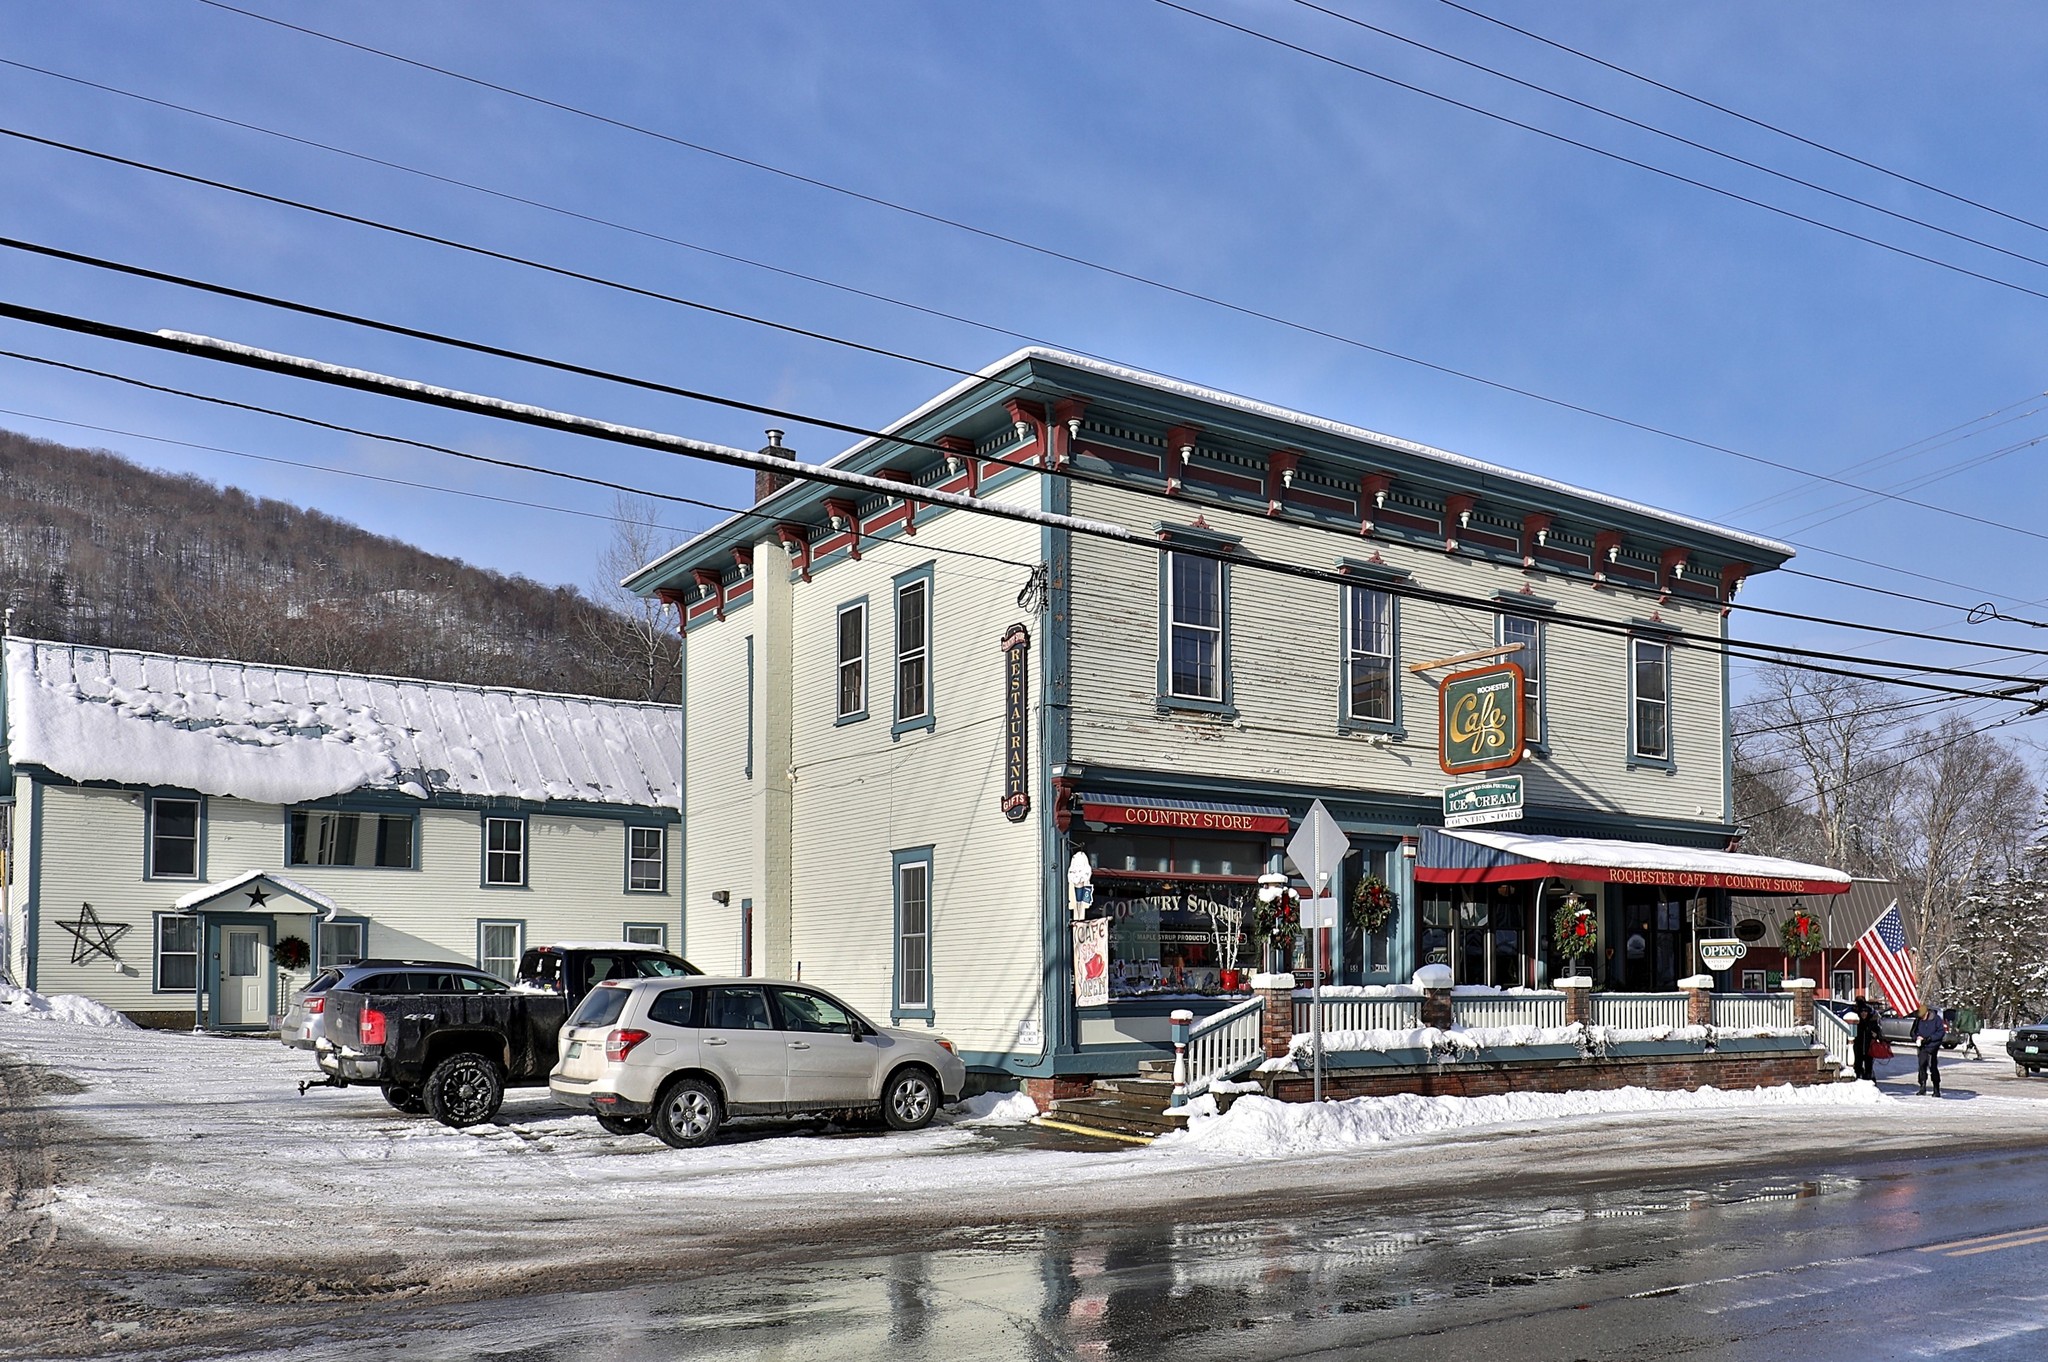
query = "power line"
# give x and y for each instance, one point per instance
(497, 408)
(1753, 122)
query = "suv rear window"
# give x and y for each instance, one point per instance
(675, 1007)
(323, 981)
(600, 1007)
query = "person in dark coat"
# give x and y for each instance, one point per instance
(1928, 1032)
(1866, 1037)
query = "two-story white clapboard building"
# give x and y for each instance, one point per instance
(902, 721)
(190, 837)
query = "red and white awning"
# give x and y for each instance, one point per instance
(1470, 856)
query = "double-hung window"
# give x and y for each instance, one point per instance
(173, 838)
(1194, 627)
(505, 852)
(1650, 695)
(498, 947)
(177, 953)
(646, 860)
(914, 650)
(853, 661)
(341, 942)
(914, 933)
(1529, 633)
(1369, 655)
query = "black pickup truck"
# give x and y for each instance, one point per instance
(452, 1055)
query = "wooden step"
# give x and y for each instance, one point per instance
(1114, 1115)
(1144, 1088)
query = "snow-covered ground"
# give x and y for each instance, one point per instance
(167, 1144)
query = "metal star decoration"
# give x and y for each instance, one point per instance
(91, 936)
(257, 898)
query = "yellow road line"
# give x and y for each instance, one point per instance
(1051, 1124)
(1982, 1239)
(1993, 1248)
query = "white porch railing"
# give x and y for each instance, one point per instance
(1225, 1045)
(1361, 1014)
(1638, 1011)
(1522, 1009)
(1737, 1011)
(1840, 1038)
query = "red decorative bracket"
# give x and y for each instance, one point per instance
(1606, 549)
(668, 595)
(1457, 511)
(959, 452)
(712, 582)
(909, 506)
(1066, 414)
(1671, 570)
(1372, 495)
(845, 517)
(1535, 532)
(1063, 802)
(1180, 449)
(1733, 575)
(1029, 418)
(797, 542)
(1281, 466)
(743, 559)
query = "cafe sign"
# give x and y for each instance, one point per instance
(1473, 802)
(1718, 953)
(1479, 715)
(1016, 803)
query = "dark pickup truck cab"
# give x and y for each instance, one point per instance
(453, 1055)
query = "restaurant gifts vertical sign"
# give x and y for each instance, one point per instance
(1016, 715)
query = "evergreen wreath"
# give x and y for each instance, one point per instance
(1279, 919)
(1372, 903)
(1574, 934)
(292, 952)
(1800, 934)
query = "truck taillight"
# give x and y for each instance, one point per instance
(621, 1041)
(315, 1006)
(370, 1030)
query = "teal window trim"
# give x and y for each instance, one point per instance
(660, 831)
(1665, 760)
(320, 928)
(750, 707)
(1537, 678)
(150, 800)
(1224, 702)
(903, 868)
(377, 810)
(660, 929)
(518, 924)
(1347, 721)
(863, 677)
(156, 950)
(917, 580)
(486, 851)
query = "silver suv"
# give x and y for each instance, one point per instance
(305, 1020)
(680, 1056)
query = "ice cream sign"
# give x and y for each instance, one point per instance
(1479, 716)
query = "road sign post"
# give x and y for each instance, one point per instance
(1317, 850)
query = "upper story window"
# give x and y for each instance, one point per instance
(853, 661)
(1529, 633)
(646, 860)
(1369, 655)
(333, 837)
(914, 649)
(173, 839)
(1194, 627)
(914, 932)
(1650, 697)
(505, 852)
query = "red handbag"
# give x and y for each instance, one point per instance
(1880, 1049)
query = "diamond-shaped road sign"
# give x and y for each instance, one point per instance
(1317, 850)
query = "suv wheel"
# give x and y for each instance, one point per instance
(407, 1100)
(464, 1090)
(622, 1125)
(688, 1114)
(911, 1100)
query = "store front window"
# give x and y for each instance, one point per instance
(1480, 931)
(1180, 912)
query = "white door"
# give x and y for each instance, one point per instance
(244, 966)
(737, 1041)
(826, 1064)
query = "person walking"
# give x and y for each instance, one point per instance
(1929, 1031)
(1866, 1037)
(1969, 1021)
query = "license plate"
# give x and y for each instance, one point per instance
(2033, 1049)
(575, 1049)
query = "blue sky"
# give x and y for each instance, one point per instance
(1127, 133)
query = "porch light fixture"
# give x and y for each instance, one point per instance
(721, 897)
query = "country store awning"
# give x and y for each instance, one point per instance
(1466, 856)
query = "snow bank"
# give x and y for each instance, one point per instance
(1261, 1128)
(1463, 1041)
(61, 1007)
(996, 1109)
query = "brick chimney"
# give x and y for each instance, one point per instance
(767, 482)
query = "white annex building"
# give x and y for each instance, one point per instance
(190, 837)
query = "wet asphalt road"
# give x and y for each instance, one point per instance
(1943, 1257)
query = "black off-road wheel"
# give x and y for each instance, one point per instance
(464, 1090)
(688, 1114)
(910, 1100)
(407, 1100)
(623, 1125)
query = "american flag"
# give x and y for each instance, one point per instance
(1884, 951)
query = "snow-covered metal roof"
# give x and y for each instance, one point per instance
(285, 735)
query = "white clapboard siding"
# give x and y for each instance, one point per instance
(1286, 641)
(92, 852)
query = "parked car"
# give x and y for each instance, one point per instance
(453, 1055)
(305, 1020)
(2028, 1047)
(1898, 1027)
(680, 1057)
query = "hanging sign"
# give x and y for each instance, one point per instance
(1016, 719)
(1091, 962)
(1472, 802)
(1718, 953)
(1479, 716)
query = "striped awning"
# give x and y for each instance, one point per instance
(1471, 856)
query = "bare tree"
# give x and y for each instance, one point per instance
(635, 636)
(1809, 752)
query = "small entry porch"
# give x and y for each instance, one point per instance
(239, 925)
